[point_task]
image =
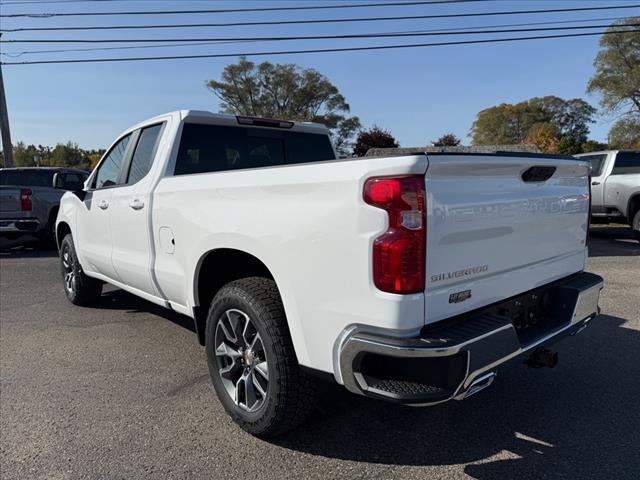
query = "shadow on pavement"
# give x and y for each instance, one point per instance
(116, 299)
(578, 420)
(613, 241)
(28, 249)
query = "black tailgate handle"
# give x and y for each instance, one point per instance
(538, 173)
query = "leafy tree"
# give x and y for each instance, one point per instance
(571, 117)
(617, 80)
(24, 155)
(447, 140)
(569, 146)
(512, 123)
(502, 124)
(68, 155)
(544, 136)
(625, 133)
(62, 155)
(617, 76)
(285, 91)
(593, 146)
(375, 137)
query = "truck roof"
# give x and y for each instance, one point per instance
(603, 152)
(205, 116)
(44, 169)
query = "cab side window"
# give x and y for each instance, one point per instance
(108, 174)
(144, 154)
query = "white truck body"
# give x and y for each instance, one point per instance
(490, 236)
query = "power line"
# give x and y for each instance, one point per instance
(321, 50)
(238, 10)
(128, 47)
(36, 2)
(346, 36)
(322, 21)
(217, 42)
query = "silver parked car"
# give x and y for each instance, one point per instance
(28, 201)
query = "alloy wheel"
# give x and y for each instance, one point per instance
(241, 360)
(69, 271)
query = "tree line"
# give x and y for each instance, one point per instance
(62, 155)
(553, 124)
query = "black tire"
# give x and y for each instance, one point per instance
(635, 225)
(47, 237)
(290, 393)
(79, 289)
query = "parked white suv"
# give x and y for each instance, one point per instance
(615, 186)
(408, 278)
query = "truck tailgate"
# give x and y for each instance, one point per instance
(494, 231)
(9, 199)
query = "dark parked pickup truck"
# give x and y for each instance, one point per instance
(28, 201)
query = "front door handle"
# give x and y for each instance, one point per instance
(136, 204)
(595, 183)
(103, 204)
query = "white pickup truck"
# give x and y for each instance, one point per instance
(615, 187)
(409, 278)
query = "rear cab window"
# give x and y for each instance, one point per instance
(597, 163)
(27, 178)
(215, 148)
(626, 163)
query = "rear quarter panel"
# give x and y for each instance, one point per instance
(308, 224)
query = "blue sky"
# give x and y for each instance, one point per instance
(417, 94)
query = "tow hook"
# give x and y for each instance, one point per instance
(542, 358)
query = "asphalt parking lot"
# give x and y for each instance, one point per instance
(122, 391)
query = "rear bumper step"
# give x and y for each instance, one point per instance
(458, 358)
(19, 225)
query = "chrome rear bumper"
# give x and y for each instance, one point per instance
(461, 358)
(22, 225)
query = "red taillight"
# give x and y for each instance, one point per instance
(399, 253)
(25, 199)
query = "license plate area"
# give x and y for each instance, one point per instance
(537, 312)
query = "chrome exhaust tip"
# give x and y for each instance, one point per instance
(480, 384)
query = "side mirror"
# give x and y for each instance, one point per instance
(63, 181)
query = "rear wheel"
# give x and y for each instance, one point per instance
(635, 225)
(251, 360)
(47, 236)
(79, 289)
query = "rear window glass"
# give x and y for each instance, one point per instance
(597, 162)
(626, 162)
(27, 178)
(215, 148)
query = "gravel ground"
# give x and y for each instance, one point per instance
(122, 391)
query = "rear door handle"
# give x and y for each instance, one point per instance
(103, 204)
(595, 183)
(136, 204)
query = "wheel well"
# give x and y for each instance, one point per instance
(217, 268)
(62, 230)
(634, 206)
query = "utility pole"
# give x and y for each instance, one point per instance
(4, 125)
